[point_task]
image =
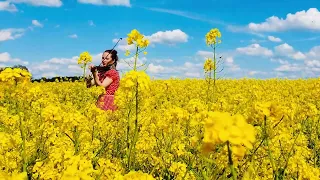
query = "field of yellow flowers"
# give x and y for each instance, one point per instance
(163, 129)
(250, 129)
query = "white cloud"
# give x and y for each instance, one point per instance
(205, 54)
(284, 49)
(44, 67)
(91, 23)
(255, 50)
(298, 56)
(252, 73)
(312, 38)
(69, 66)
(61, 67)
(274, 39)
(128, 63)
(187, 69)
(314, 52)
(49, 74)
(37, 23)
(313, 63)
(4, 57)
(257, 41)
(168, 37)
(7, 59)
(245, 29)
(193, 74)
(48, 3)
(288, 51)
(312, 59)
(188, 15)
(289, 68)
(279, 60)
(107, 2)
(123, 45)
(10, 34)
(74, 68)
(57, 67)
(300, 20)
(225, 61)
(229, 62)
(160, 37)
(62, 61)
(7, 6)
(155, 68)
(74, 36)
(309, 67)
(163, 60)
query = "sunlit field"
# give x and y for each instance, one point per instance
(163, 129)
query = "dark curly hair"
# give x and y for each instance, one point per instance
(114, 55)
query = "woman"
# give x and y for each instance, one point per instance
(108, 79)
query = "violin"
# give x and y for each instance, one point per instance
(102, 69)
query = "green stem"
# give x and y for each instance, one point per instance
(135, 58)
(129, 142)
(233, 172)
(269, 151)
(135, 136)
(84, 70)
(315, 145)
(214, 68)
(23, 153)
(76, 140)
(208, 89)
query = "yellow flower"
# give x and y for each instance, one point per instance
(84, 58)
(238, 150)
(221, 127)
(134, 37)
(129, 82)
(127, 53)
(136, 175)
(15, 74)
(209, 65)
(212, 35)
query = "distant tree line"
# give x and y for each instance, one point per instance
(53, 79)
(15, 66)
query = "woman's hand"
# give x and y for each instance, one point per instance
(90, 66)
(89, 81)
(95, 73)
(92, 69)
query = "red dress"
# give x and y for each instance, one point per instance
(106, 100)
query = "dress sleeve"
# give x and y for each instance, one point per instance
(112, 74)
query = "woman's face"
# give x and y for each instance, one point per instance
(106, 58)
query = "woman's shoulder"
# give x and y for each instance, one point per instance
(113, 72)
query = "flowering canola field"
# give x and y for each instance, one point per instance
(250, 129)
(163, 129)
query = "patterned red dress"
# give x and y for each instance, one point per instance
(106, 101)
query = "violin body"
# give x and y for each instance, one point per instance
(101, 69)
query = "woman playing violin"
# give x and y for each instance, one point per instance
(108, 78)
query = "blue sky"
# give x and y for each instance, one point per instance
(275, 38)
